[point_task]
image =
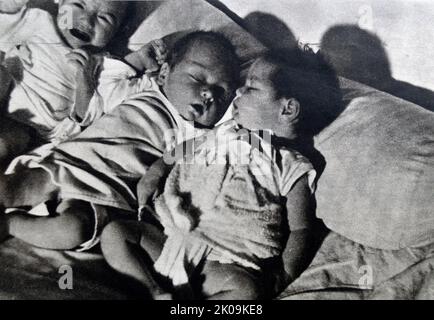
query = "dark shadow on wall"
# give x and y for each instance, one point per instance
(360, 55)
(272, 32)
(138, 10)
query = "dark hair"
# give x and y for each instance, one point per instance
(305, 76)
(129, 11)
(225, 49)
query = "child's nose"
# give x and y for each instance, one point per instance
(88, 19)
(207, 95)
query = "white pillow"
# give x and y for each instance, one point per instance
(175, 16)
(378, 185)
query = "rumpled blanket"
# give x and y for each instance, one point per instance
(30, 273)
(343, 269)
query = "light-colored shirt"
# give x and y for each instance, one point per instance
(227, 202)
(43, 96)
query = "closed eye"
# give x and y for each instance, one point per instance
(78, 5)
(195, 79)
(105, 19)
(251, 89)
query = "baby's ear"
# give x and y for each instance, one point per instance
(163, 74)
(290, 109)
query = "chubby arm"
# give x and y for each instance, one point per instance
(299, 249)
(26, 189)
(148, 58)
(157, 173)
(153, 54)
(152, 181)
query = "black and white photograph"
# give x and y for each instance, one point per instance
(192, 150)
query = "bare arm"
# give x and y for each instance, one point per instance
(148, 58)
(301, 217)
(152, 181)
(154, 53)
(28, 188)
(157, 173)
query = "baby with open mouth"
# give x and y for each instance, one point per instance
(49, 67)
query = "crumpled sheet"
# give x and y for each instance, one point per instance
(342, 269)
(338, 271)
(29, 273)
(335, 273)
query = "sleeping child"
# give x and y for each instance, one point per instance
(49, 70)
(233, 202)
(94, 176)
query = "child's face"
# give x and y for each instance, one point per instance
(91, 23)
(257, 105)
(201, 86)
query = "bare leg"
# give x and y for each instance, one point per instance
(70, 227)
(131, 248)
(230, 282)
(28, 188)
(15, 139)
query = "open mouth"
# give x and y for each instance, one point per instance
(197, 109)
(81, 35)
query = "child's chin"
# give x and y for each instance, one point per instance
(70, 40)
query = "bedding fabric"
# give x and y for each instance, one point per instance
(377, 187)
(340, 270)
(30, 273)
(343, 269)
(351, 201)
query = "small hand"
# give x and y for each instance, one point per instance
(160, 51)
(12, 6)
(153, 55)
